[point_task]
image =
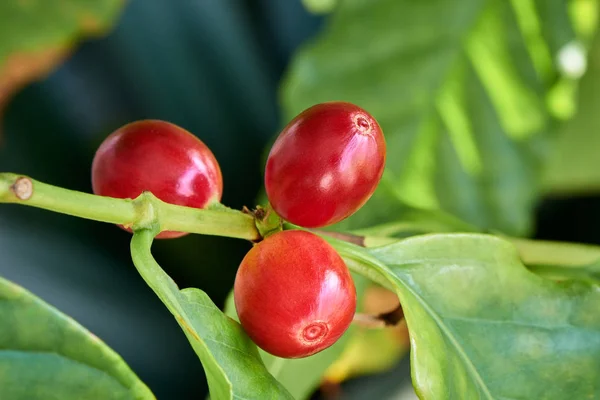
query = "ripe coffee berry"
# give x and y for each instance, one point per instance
(325, 164)
(294, 295)
(159, 157)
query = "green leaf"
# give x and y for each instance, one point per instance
(45, 355)
(233, 366)
(484, 327)
(460, 92)
(36, 35)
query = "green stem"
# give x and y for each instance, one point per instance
(150, 271)
(230, 223)
(217, 221)
(546, 258)
(541, 252)
(559, 259)
(583, 273)
(535, 252)
(67, 201)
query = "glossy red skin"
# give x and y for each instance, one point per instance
(294, 295)
(159, 157)
(325, 164)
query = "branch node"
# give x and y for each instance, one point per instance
(266, 220)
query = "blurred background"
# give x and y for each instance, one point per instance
(213, 67)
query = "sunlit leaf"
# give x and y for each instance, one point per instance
(460, 92)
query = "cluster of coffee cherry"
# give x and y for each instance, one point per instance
(293, 293)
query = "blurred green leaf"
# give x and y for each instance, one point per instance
(460, 92)
(36, 35)
(574, 165)
(482, 326)
(369, 351)
(46, 355)
(372, 349)
(302, 376)
(233, 366)
(560, 261)
(320, 6)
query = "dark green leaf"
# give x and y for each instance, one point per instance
(233, 366)
(459, 91)
(484, 327)
(44, 355)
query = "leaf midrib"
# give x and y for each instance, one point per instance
(448, 332)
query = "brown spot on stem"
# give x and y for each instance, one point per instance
(22, 188)
(260, 213)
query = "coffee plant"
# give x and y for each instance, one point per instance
(397, 214)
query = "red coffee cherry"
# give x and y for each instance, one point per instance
(159, 157)
(294, 295)
(325, 164)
